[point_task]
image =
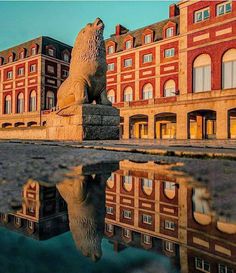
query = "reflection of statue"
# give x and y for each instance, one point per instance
(87, 76)
(85, 197)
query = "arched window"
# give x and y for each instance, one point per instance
(147, 185)
(7, 109)
(147, 91)
(32, 103)
(20, 103)
(202, 73)
(50, 100)
(111, 95)
(169, 88)
(128, 94)
(229, 69)
(66, 57)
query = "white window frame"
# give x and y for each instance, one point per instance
(202, 267)
(170, 52)
(199, 15)
(169, 246)
(223, 7)
(128, 62)
(147, 58)
(32, 68)
(147, 219)
(147, 39)
(147, 183)
(128, 44)
(110, 210)
(170, 225)
(109, 227)
(51, 52)
(33, 51)
(10, 75)
(127, 214)
(111, 67)
(111, 49)
(169, 185)
(169, 32)
(147, 240)
(127, 233)
(225, 268)
(21, 71)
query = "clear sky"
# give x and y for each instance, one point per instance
(22, 21)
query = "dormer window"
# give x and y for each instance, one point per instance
(22, 55)
(169, 32)
(10, 59)
(148, 39)
(51, 52)
(111, 49)
(1, 60)
(201, 15)
(33, 51)
(66, 57)
(128, 44)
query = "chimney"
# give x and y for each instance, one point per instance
(173, 10)
(121, 30)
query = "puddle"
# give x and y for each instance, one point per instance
(124, 216)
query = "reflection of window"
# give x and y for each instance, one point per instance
(127, 214)
(147, 219)
(169, 246)
(224, 8)
(224, 269)
(109, 228)
(201, 15)
(30, 224)
(50, 100)
(169, 225)
(202, 265)
(147, 239)
(127, 233)
(109, 210)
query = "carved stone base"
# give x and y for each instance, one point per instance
(90, 122)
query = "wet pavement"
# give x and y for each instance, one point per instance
(66, 209)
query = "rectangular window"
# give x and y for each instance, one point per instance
(223, 8)
(33, 51)
(229, 72)
(50, 69)
(224, 269)
(147, 182)
(147, 219)
(109, 210)
(202, 78)
(109, 228)
(9, 75)
(147, 58)
(33, 68)
(201, 15)
(111, 67)
(128, 44)
(51, 52)
(127, 62)
(21, 71)
(169, 246)
(127, 214)
(127, 233)
(147, 239)
(111, 49)
(169, 52)
(169, 185)
(169, 225)
(65, 73)
(169, 32)
(202, 265)
(148, 39)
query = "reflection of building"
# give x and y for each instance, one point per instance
(176, 78)
(30, 75)
(151, 207)
(43, 213)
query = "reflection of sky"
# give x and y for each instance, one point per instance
(22, 21)
(21, 254)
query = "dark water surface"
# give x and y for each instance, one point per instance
(126, 216)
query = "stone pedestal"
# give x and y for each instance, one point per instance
(89, 122)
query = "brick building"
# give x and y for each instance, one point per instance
(30, 75)
(176, 78)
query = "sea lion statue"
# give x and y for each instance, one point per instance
(86, 82)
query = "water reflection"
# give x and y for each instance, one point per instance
(142, 205)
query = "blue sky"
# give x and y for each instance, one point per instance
(22, 21)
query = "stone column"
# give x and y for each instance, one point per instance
(222, 123)
(151, 127)
(126, 127)
(182, 124)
